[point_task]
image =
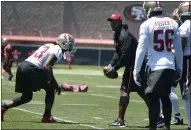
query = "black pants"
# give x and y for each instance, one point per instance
(159, 87)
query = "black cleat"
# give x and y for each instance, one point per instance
(160, 122)
(117, 123)
(177, 121)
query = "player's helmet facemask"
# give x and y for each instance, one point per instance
(66, 42)
(176, 16)
(152, 7)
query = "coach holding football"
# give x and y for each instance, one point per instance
(125, 48)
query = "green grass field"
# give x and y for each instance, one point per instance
(91, 110)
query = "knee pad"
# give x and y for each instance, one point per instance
(124, 100)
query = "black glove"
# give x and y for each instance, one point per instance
(55, 86)
(112, 74)
(58, 90)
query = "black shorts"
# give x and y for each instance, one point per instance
(160, 82)
(30, 78)
(128, 84)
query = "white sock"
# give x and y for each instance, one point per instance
(187, 103)
(174, 101)
(161, 111)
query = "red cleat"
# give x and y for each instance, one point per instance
(48, 119)
(3, 110)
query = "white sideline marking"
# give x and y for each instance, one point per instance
(146, 119)
(97, 118)
(80, 104)
(60, 119)
(31, 102)
(102, 95)
(79, 72)
(107, 86)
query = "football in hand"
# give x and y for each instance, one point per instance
(108, 72)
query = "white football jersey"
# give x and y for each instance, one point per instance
(185, 32)
(156, 36)
(39, 57)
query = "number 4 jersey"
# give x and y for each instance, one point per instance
(41, 55)
(156, 37)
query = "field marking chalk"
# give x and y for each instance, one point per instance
(60, 119)
(80, 104)
(97, 118)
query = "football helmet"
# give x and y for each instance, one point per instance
(185, 8)
(151, 6)
(66, 42)
(176, 14)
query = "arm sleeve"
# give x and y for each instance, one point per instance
(141, 49)
(183, 31)
(124, 53)
(57, 52)
(114, 59)
(178, 50)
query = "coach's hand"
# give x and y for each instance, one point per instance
(137, 79)
(110, 72)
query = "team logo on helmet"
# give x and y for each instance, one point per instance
(135, 12)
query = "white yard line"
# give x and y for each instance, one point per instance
(80, 104)
(59, 119)
(31, 102)
(97, 118)
(107, 96)
(78, 72)
(107, 86)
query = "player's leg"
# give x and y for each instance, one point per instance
(187, 89)
(187, 103)
(177, 119)
(25, 98)
(156, 88)
(124, 99)
(7, 67)
(154, 110)
(165, 95)
(167, 110)
(9, 70)
(49, 101)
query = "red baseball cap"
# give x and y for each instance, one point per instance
(115, 16)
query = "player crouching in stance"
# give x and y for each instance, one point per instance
(155, 38)
(36, 73)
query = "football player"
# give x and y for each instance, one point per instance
(155, 37)
(8, 59)
(177, 119)
(185, 9)
(36, 73)
(125, 48)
